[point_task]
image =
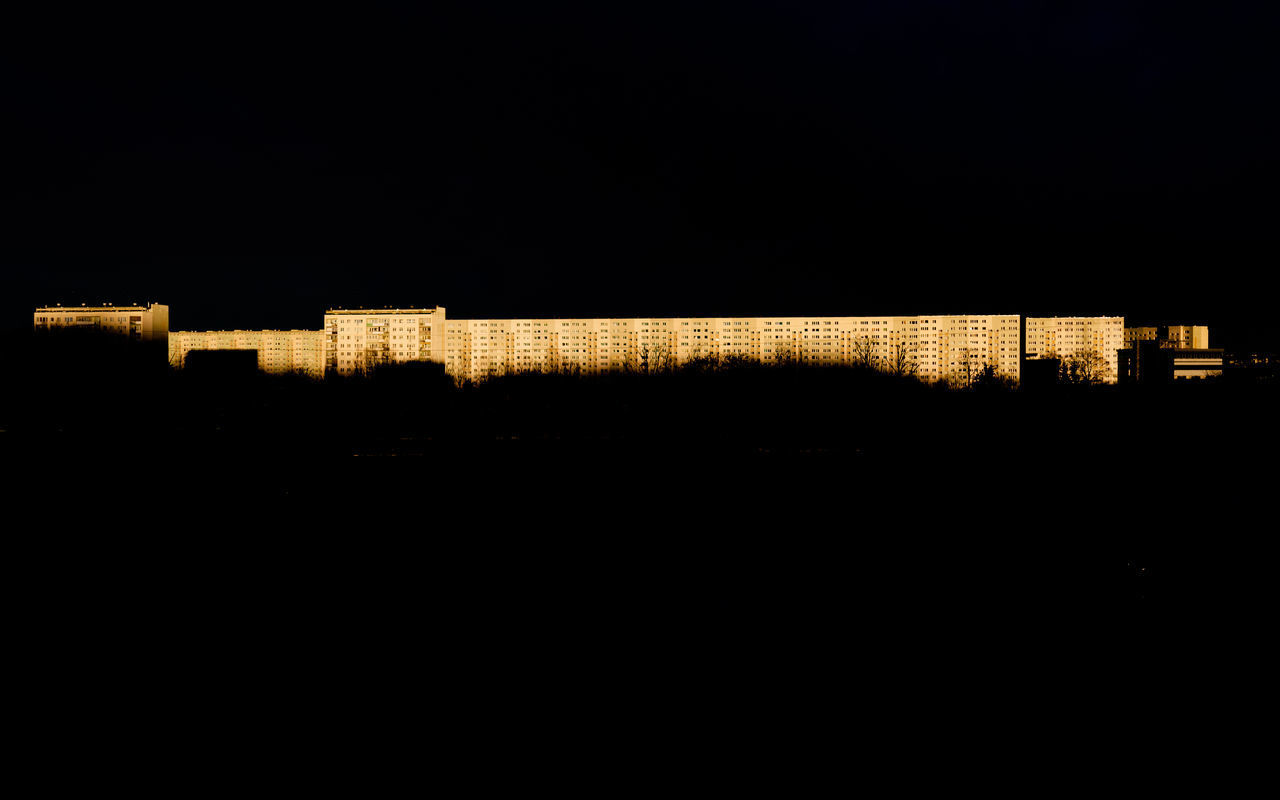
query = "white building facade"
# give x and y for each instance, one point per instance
(935, 347)
(358, 339)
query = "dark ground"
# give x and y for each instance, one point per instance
(512, 545)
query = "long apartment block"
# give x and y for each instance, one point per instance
(149, 322)
(935, 347)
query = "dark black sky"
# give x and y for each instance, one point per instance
(251, 167)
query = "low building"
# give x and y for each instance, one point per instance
(1147, 362)
(1192, 363)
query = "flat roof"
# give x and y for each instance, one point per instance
(82, 309)
(383, 310)
(249, 330)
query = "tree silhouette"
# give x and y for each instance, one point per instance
(1086, 367)
(863, 353)
(902, 362)
(784, 354)
(989, 377)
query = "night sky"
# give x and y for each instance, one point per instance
(252, 168)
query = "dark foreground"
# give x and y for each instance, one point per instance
(754, 534)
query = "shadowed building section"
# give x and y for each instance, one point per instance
(223, 365)
(278, 352)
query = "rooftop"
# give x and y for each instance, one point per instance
(365, 311)
(108, 307)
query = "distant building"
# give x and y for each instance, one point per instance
(145, 323)
(953, 347)
(279, 352)
(1177, 337)
(1159, 354)
(1096, 339)
(1252, 368)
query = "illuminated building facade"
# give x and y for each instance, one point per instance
(1077, 338)
(953, 347)
(279, 352)
(357, 340)
(1174, 337)
(145, 323)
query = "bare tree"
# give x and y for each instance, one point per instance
(1086, 367)
(863, 353)
(784, 353)
(663, 359)
(990, 377)
(902, 362)
(963, 373)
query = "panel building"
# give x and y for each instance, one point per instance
(279, 352)
(356, 339)
(147, 323)
(935, 347)
(1097, 340)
